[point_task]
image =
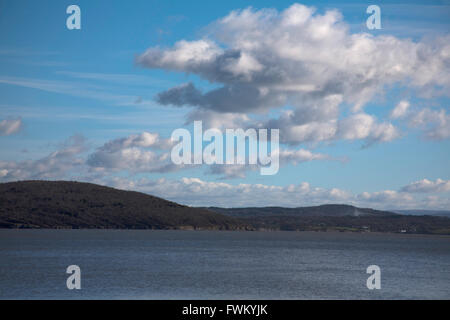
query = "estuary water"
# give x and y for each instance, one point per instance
(144, 264)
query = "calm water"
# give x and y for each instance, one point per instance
(221, 265)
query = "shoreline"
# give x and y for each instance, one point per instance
(331, 232)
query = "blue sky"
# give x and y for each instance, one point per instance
(57, 83)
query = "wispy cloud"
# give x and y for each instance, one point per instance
(128, 79)
(10, 126)
(75, 89)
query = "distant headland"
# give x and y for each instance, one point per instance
(77, 205)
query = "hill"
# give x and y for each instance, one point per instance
(336, 217)
(327, 210)
(63, 204)
(440, 213)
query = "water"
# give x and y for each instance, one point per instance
(125, 264)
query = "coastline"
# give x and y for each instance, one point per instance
(224, 231)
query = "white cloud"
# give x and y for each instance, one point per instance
(286, 156)
(185, 56)
(400, 110)
(360, 126)
(139, 153)
(264, 59)
(213, 119)
(59, 164)
(382, 198)
(427, 186)
(301, 155)
(135, 153)
(198, 192)
(148, 152)
(435, 123)
(364, 126)
(230, 171)
(10, 126)
(144, 140)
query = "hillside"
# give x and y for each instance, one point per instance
(336, 217)
(440, 213)
(61, 204)
(327, 210)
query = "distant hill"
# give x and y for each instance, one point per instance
(440, 213)
(62, 204)
(327, 210)
(336, 217)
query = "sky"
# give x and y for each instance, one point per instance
(364, 115)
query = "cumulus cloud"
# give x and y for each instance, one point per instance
(359, 126)
(285, 156)
(412, 195)
(400, 110)
(301, 155)
(365, 126)
(145, 152)
(58, 164)
(144, 140)
(230, 171)
(148, 152)
(135, 153)
(238, 99)
(427, 186)
(386, 196)
(198, 192)
(213, 119)
(434, 123)
(10, 126)
(262, 60)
